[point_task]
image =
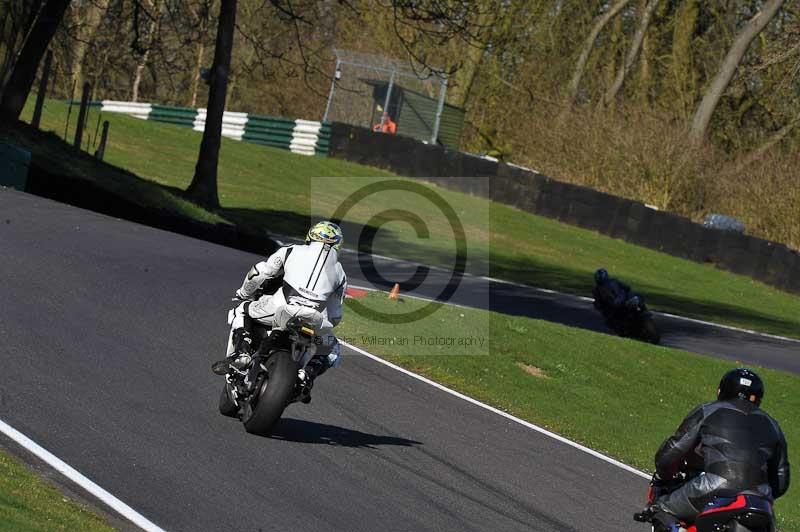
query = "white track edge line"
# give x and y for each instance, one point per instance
(506, 415)
(730, 327)
(79, 479)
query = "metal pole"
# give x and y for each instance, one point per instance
(439, 107)
(386, 101)
(336, 74)
(37, 111)
(82, 115)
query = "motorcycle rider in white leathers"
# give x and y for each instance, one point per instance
(313, 288)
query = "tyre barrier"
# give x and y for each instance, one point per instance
(306, 137)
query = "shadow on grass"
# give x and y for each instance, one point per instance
(301, 431)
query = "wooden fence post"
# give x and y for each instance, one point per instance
(37, 111)
(101, 150)
(82, 115)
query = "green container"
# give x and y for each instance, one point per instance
(415, 114)
(14, 164)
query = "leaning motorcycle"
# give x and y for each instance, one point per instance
(633, 320)
(739, 512)
(259, 393)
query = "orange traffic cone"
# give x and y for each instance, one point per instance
(395, 291)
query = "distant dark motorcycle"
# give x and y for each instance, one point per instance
(631, 320)
(737, 512)
(259, 393)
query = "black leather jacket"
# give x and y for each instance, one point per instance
(735, 442)
(610, 295)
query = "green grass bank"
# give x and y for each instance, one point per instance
(29, 504)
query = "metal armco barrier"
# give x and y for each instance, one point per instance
(304, 137)
(769, 262)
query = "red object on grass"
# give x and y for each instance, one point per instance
(356, 292)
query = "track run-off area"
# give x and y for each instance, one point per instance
(109, 329)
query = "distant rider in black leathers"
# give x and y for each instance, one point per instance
(734, 445)
(611, 296)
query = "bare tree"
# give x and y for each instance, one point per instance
(146, 46)
(200, 18)
(741, 43)
(19, 85)
(203, 187)
(636, 44)
(89, 18)
(588, 45)
(16, 19)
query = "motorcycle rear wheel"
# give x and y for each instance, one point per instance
(226, 405)
(274, 393)
(650, 331)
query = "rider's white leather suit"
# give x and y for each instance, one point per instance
(312, 279)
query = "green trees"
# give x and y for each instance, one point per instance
(714, 87)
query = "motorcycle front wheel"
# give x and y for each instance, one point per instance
(274, 391)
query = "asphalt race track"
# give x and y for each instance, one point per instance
(519, 300)
(108, 331)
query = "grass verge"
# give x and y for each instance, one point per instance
(29, 504)
(618, 396)
(277, 191)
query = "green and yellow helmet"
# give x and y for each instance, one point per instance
(327, 233)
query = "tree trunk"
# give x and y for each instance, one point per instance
(204, 184)
(8, 52)
(741, 43)
(137, 79)
(580, 66)
(201, 18)
(90, 20)
(645, 75)
(100, 68)
(6, 34)
(148, 43)
(19, 24)
(16, 90)
(682, 79)
(473, 56)
(232, 78)
(636, 44)
(196, 82)
(465, 76)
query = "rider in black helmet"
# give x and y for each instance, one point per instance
(734, 445)
(610, 295)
